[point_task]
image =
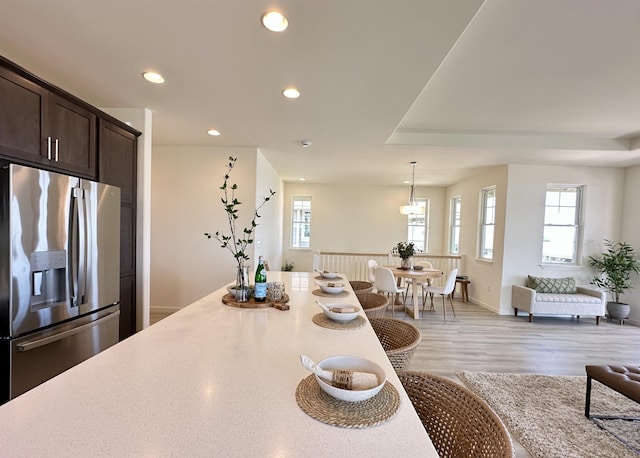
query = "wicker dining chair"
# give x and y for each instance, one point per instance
(374, 305)
(361, 286)
(398, 338)
(458, 422)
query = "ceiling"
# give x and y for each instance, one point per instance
(457, 86)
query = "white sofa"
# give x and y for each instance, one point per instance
(585, 301)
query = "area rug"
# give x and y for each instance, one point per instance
(546, 414)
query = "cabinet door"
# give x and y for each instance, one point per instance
(117, 165)
(118, 160)
(73, 134)
(23, 110)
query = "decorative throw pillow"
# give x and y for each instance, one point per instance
(552, 285)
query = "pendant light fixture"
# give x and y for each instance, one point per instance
(412, 208)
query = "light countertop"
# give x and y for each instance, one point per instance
(209, 380)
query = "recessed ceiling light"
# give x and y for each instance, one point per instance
(406, 181)
(153, 77)
(275, 21)
(302, 179)
(213, 132)
(291, 93)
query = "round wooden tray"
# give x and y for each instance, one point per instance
(230, 300)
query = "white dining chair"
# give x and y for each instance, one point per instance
(371, 271)
(445, 290)
(371, 268)
(385, 282)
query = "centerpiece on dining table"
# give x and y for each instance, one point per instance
(237, 242)
(405, 250)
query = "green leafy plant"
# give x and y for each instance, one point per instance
(614, 268)
(236, 242)
(405, 249)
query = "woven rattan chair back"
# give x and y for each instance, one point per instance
(361, 286)
(398, 338)
(374, 305)
(459, 423)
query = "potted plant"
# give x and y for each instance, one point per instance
(237, 242)
(405, 250)
(613, 274)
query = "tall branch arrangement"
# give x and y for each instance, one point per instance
(236, 242)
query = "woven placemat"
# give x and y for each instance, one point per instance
(321, 278)
(319, 292)
(323, 320)
(327, 409)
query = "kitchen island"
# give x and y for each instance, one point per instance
(209, 380)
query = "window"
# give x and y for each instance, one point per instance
(301, 222)
(487, 222)
(417, 227)
(454, 225)
(561, 224)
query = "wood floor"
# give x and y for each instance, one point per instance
(479, 340)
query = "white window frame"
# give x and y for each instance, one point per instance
(455, 213)
(417, 222)
(574, 226)
(487, 223)
(300, 219)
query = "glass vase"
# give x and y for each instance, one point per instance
(242, 284)
(405, 263)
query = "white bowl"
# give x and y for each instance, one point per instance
(341, 316)
(356, 364)
(328, 275)
(331, 287)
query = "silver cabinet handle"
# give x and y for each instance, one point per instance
(63, 335)
(49, 148)
(57, 141)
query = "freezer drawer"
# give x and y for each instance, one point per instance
(38, 357)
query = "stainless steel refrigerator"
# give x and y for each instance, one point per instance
(59, 274)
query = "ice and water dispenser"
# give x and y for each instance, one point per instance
(48, 275)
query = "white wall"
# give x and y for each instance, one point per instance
(520, 195)
(486, 277)
(268, 237)
(365, 219)
(358, 219)
(631, 234)
(602, 218)
(185, 204)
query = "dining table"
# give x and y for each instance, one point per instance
(218, 379)
(424, 275)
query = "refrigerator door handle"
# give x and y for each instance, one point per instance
(78, 248)
(63, 335)
(82, 247)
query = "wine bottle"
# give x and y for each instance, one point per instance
(260, 288)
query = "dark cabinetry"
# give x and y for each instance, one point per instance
(45, 129)
(43, 126)
(117, 166)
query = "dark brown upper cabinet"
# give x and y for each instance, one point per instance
(45, 129)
